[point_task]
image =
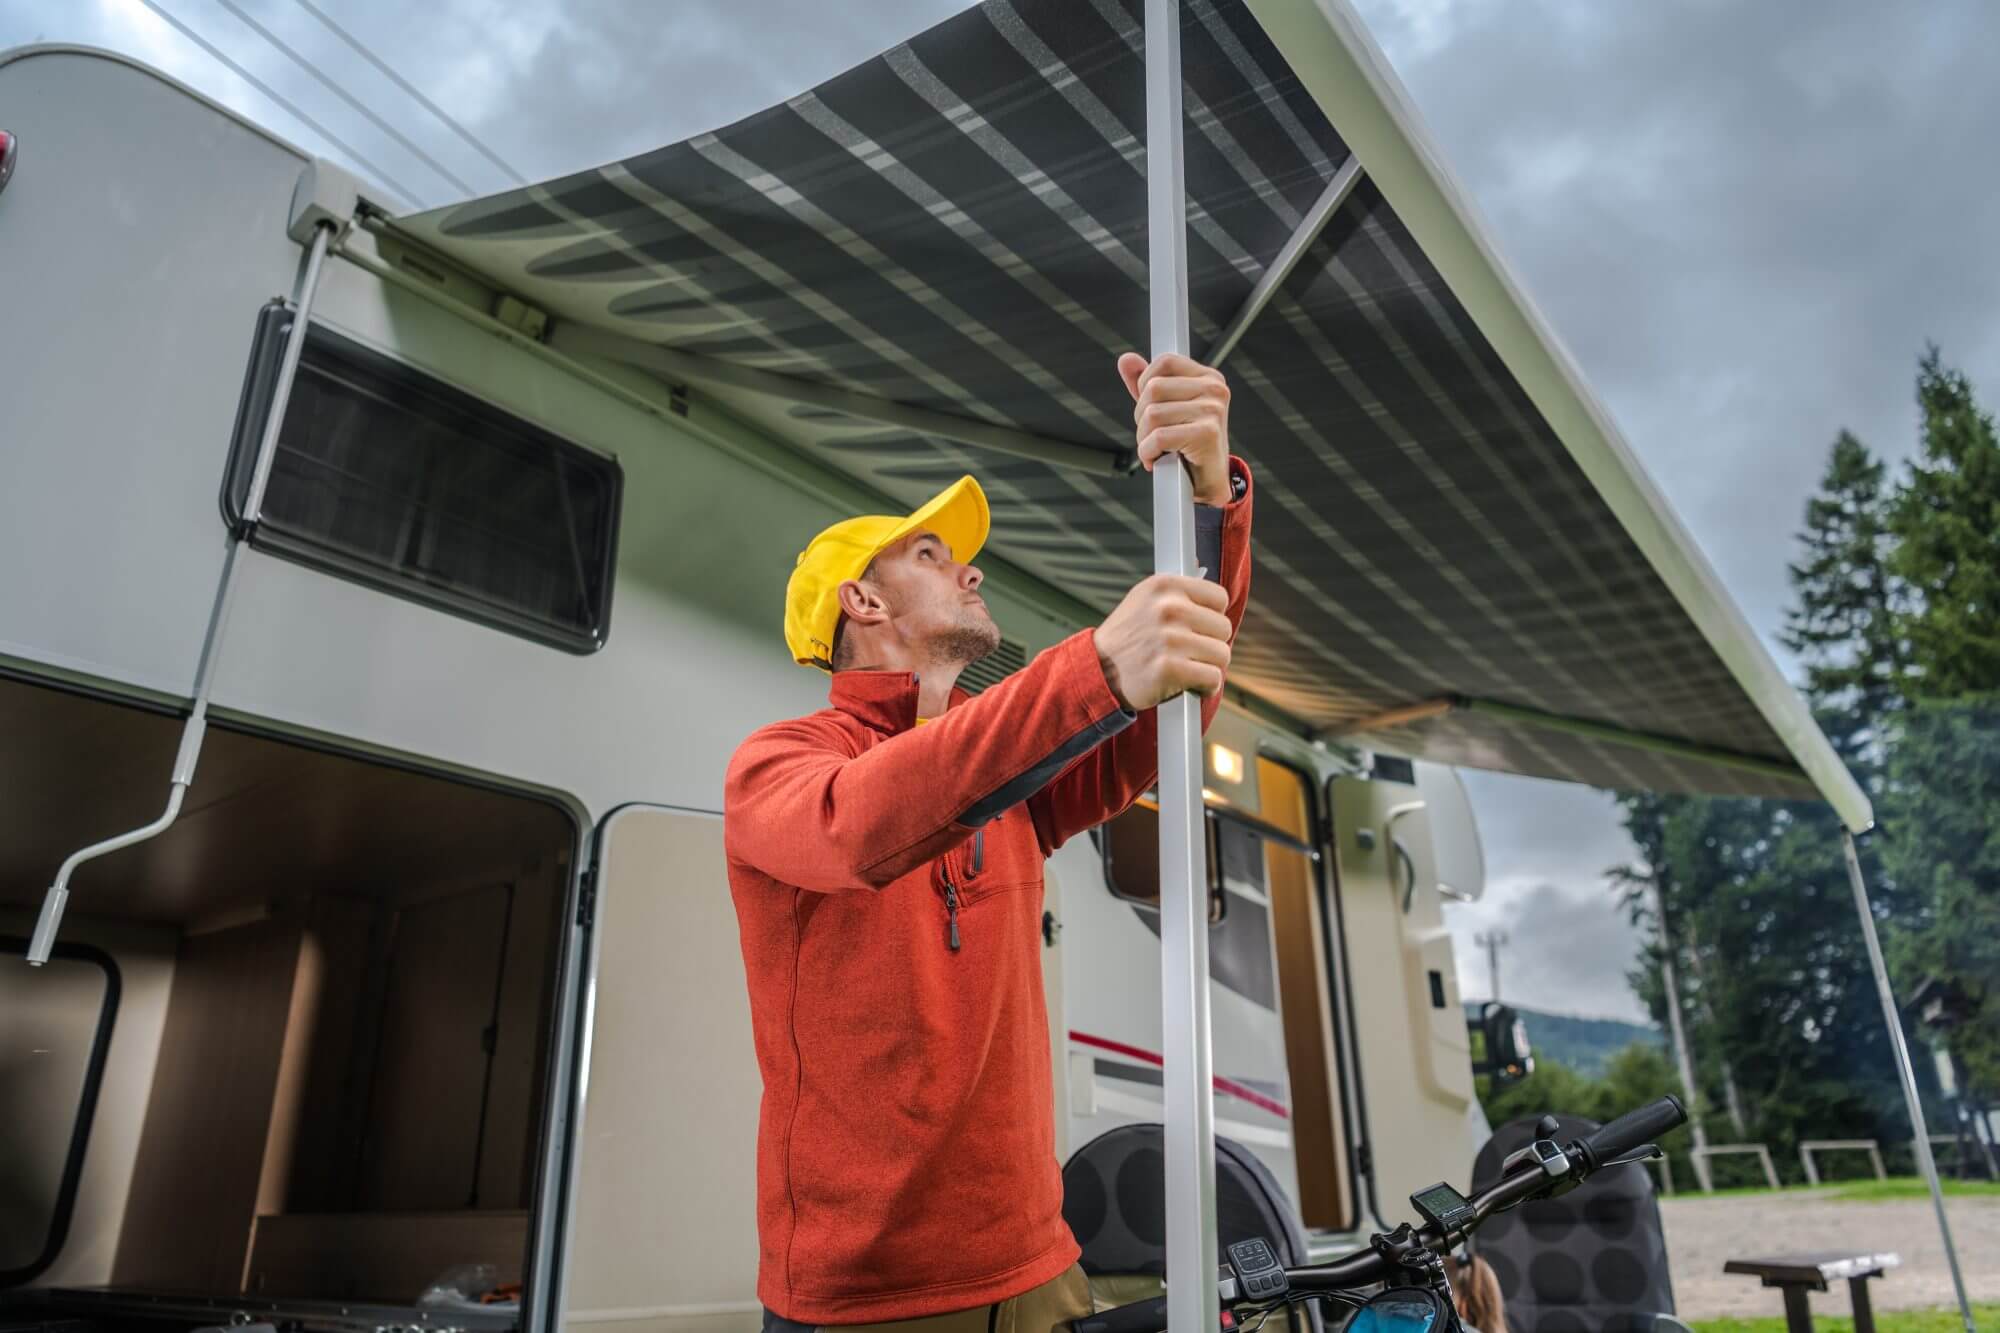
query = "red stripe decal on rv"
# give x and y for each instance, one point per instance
(1224, 1085)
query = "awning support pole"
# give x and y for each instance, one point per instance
(1893, 1017)
(1310, 226)
(195, 728)
(1184, 1030)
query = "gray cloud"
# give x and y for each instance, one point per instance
(1744, 221)
(1567, 951)
(613, 79)
(1547, 846)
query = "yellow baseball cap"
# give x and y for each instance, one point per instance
(957, 514)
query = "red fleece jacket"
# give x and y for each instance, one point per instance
(888, 886)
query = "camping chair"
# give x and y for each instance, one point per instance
(1595, 1258)
(1114, 1199)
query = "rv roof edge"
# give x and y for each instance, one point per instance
(1345, 72)
(8, 55)
(675, 364)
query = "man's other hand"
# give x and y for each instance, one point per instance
(1181, 407)
(1169, 635)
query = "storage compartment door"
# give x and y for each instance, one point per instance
(665, 1229)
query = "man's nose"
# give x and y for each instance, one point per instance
(970, 578)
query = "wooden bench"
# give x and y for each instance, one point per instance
(1797, 1274)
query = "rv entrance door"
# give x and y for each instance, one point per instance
(664, 1229)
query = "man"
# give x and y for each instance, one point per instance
(885, 857)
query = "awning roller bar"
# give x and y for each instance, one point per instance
(1410, 714)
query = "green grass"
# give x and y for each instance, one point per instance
(1886, 1321)
(1909, 1187)
(1861, 1191)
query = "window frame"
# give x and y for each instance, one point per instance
(274, 323)
(64, 1210)
(1218, 896)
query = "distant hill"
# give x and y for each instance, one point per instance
(1583, 1044)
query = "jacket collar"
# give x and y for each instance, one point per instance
(883, 700)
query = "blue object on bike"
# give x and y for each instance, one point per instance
(1403, 1310)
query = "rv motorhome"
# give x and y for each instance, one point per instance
(431, 961)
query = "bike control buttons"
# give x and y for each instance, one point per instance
(1259, 1275)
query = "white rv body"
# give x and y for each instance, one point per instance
(142, 233)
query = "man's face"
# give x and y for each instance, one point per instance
(934, 601)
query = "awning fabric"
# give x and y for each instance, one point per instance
(959, 225)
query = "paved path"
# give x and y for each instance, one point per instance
(1704, 1233)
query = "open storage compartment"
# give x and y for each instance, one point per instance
(323, 1083)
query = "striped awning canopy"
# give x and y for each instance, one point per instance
(928, 265)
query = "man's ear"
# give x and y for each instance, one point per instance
(862, 603)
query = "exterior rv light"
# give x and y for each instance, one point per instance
(1228, 764)
(10, 148)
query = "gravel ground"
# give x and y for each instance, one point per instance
(1702, 1234)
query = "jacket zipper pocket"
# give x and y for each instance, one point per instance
(951, 911)
(979, 851)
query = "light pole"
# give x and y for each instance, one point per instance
(1491, 940)
(1683, 1057)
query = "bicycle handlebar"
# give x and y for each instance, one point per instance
(1586, 1156)
(1632, 1129)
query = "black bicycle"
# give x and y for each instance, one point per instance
(1402, 1272)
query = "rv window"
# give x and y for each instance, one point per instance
(55, 1027)
(388, 475)
(1131, 847)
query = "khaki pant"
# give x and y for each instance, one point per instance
(1044, 1309)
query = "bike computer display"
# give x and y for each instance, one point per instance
(1443, 1207)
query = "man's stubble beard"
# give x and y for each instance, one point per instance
(966, 642)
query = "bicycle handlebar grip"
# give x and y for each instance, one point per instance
(1140, 1317)
(1633, 1128)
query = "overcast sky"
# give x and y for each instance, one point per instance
(1744, 218)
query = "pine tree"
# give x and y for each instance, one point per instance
(1942, 846)
(1843, 624)
(1942, 797)
(1774, 978)
(1946, 518)
(1774, 981)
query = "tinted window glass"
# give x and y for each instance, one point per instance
(1131, 845)
(394, 477)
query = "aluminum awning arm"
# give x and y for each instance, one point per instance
(317, 210)
(1329, 202)
(680, 367)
